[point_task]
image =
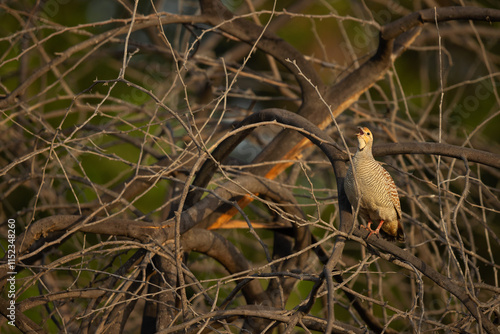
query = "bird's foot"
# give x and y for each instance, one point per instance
(369, 229)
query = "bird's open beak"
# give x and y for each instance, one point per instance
(362, 140)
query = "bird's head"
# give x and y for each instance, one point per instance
(365, 138)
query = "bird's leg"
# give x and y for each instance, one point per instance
(376, 231)
(368, 226)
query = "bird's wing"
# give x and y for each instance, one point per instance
(393, 191)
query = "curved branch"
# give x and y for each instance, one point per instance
(319, 138)
(307, 129)
(447, 150)
(256, 311)
(441, 14)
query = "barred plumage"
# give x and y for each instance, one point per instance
(377, 195)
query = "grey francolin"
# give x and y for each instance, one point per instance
(377, 195)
